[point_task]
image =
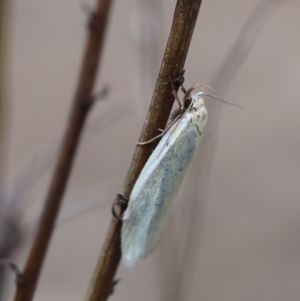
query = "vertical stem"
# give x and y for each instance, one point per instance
(3, 108)
(82, 103)
(184, 21)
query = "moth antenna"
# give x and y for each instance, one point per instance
(206, 88)
(188, 92)
(223, 100)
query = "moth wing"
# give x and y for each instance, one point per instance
(155, 190)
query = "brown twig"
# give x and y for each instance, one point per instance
(82, 102)
(184, 20)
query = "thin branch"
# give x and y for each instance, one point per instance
(82, 103)
(184, 20)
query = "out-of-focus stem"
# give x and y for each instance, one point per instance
(82, 103)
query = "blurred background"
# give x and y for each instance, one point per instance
(234, 229)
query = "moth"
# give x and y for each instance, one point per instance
(156, 187)
(160, 179)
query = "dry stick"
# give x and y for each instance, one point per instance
(184, 20)
(81, 104)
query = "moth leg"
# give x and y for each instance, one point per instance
(164, 131)
(174, 92)
(176, 114)
(119, 201)
(149, 141)
(178, 81)
(183, 89)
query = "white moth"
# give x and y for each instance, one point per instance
(159, 182)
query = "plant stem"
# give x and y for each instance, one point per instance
(184, 21)
(82, 103)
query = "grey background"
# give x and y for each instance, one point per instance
(239, 238)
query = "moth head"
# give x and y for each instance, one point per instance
(187, 103)
(196, 100)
